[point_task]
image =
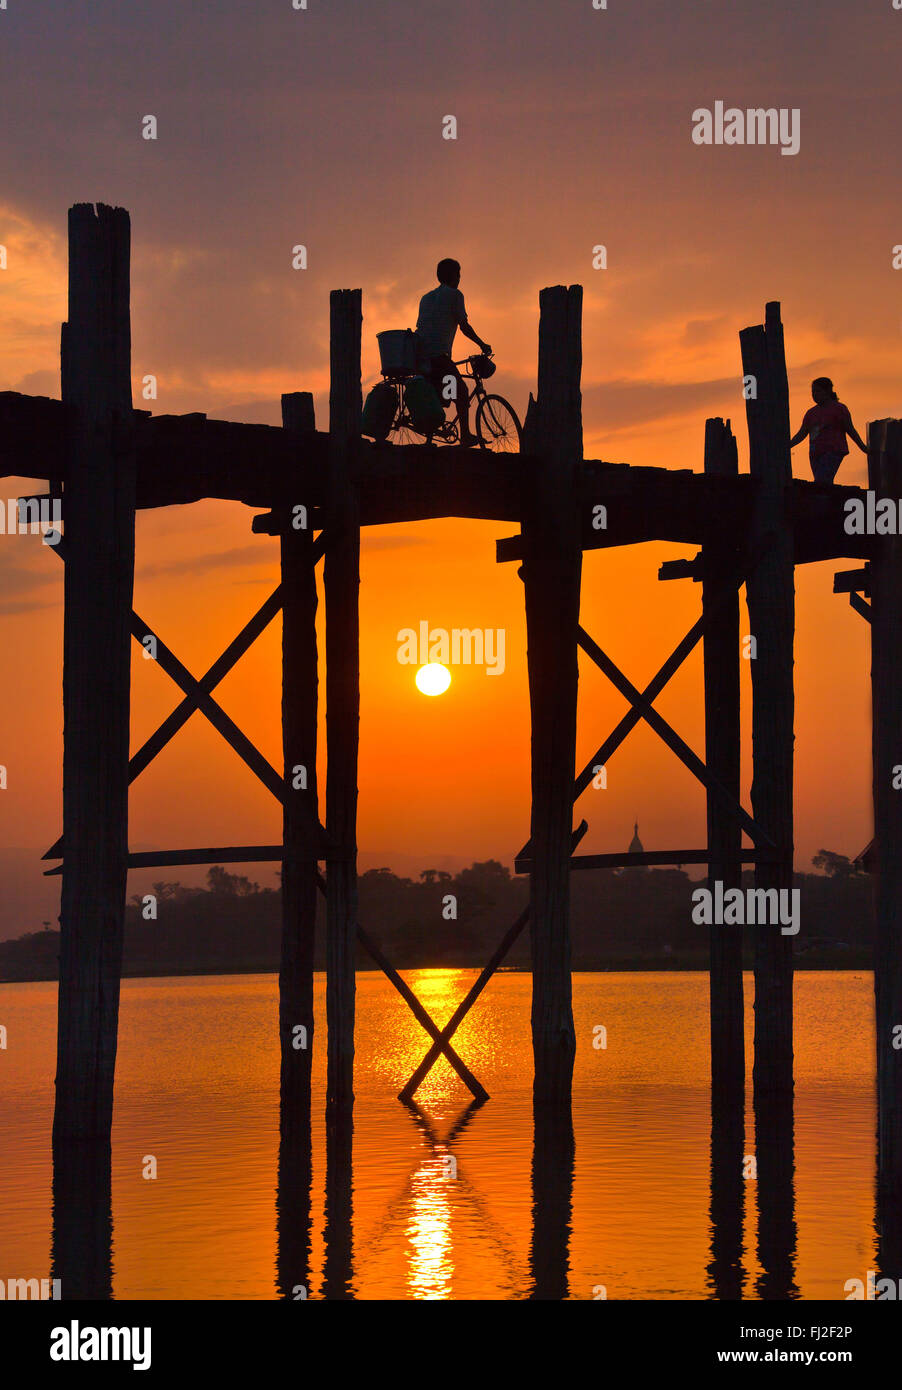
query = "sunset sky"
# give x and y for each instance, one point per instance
(324, 127)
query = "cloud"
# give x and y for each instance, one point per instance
(368, 541)
(235, 558)
(9, 609)
(23, 571)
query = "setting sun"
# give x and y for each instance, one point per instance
(433, 679)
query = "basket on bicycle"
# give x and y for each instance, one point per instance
(483, 366)
(397, 352)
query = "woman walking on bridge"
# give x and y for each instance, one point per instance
(827, 422)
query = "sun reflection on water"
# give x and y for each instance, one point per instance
(430, 1265)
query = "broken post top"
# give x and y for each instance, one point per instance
(555, 423)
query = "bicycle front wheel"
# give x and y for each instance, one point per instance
(497, 425)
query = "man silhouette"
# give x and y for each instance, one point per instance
(442, 312)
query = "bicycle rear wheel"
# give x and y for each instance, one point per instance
(403, 434)
(497, 425)
(402, 431)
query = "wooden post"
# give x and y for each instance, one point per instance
(300, 816)
(722, 758)
(342, 586)
(885, 478)
(100, 541)
(551, 572)
(770, 589)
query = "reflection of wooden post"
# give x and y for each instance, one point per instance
(81, 1246)
(722, 745)
(342, 585)
(552, 1203)
(100, 547)
(885, 478)
(551, 571)
(770, 589)
(300, 815)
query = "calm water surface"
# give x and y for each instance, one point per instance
(197, 1087)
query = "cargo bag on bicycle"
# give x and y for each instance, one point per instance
(423, 405)
(379, 411)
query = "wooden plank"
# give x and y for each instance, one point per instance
(770, 590)
(885, 478)
(626, 860)
(300, 813)
(666, 505)
(188, 458)
(342, 584)
(169, 858)
(552, 569)
(720, 611)
(34, 433)
(852, 581)
(100, 539)
(683, 569)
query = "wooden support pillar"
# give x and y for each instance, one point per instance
(770, 589)
(100, 545)
(342, 586)
(885, 478)
(551, 573)
(720, 609)
(300, 817)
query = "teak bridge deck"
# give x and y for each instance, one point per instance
(106, 459)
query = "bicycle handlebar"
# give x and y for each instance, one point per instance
(464, 360)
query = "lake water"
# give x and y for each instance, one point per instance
(197, 1087)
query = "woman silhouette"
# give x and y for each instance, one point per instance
(827, 422)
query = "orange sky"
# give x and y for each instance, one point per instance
(574, 130)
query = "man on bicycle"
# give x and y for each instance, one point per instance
(442, 312)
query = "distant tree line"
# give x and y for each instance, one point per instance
(620, 920)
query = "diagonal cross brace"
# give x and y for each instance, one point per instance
(636, 711)
(198, 697)
(664, 731)
(441, 1043)
(207, 683)
(463, 1008)
(633, 715)
(640, 705)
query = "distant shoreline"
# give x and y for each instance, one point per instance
(638, 920)
(634, 966)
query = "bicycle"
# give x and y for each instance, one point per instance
(496, 424)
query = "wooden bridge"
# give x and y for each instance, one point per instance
(106, 459)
